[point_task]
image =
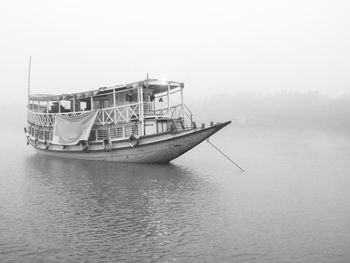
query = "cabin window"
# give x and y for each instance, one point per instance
(40, 134)
(113, 133)
(51, 103)
(77, 105)
(131, 96)
(46, 135)
(102, 134)
(65, 106)
(162, 126)
(116, 132)
(135, 129)
(107, 103)
(128, 131)
(97, 104)
(120, 132)
(83, 105)
(88, 105)
(101, 104)
(53, 107)
(128, 97)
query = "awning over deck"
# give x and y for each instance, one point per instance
(71, 130)
(155, 84)
(49, 97)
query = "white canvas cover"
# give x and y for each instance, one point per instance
(70, 130)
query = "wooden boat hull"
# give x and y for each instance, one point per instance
(160, 148)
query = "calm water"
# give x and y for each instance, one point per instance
(291, 205)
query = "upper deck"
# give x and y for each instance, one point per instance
(118, 104)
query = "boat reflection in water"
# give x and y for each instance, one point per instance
(124, 211)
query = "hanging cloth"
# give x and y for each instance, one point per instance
(71, 130)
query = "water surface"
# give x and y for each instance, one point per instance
(291, 205)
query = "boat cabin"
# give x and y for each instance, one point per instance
(142, 108)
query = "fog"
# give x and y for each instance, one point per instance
(283, 110)
(279, 69)
(290, 58)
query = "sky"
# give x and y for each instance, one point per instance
(214, 47)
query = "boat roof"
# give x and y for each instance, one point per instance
(155, 84)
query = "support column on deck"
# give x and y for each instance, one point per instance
(114, 105)
(182, 102)
(168, 99)
(114, 101)
(142, 111)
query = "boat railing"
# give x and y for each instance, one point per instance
(119, 114)
(98, 134)
(48, 119)
(151, 110)
(189, 116)
(174, 112)
(114, 132)
(111, 115)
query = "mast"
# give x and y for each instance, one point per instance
(142, 105)
(30, 65)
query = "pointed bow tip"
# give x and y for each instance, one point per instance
(219, 125)
(223, 124)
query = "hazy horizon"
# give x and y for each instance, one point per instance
(259, 47)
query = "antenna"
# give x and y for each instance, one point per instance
(30, 65)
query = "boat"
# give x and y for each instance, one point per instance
(141, 122)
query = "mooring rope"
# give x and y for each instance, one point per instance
(224, 154)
